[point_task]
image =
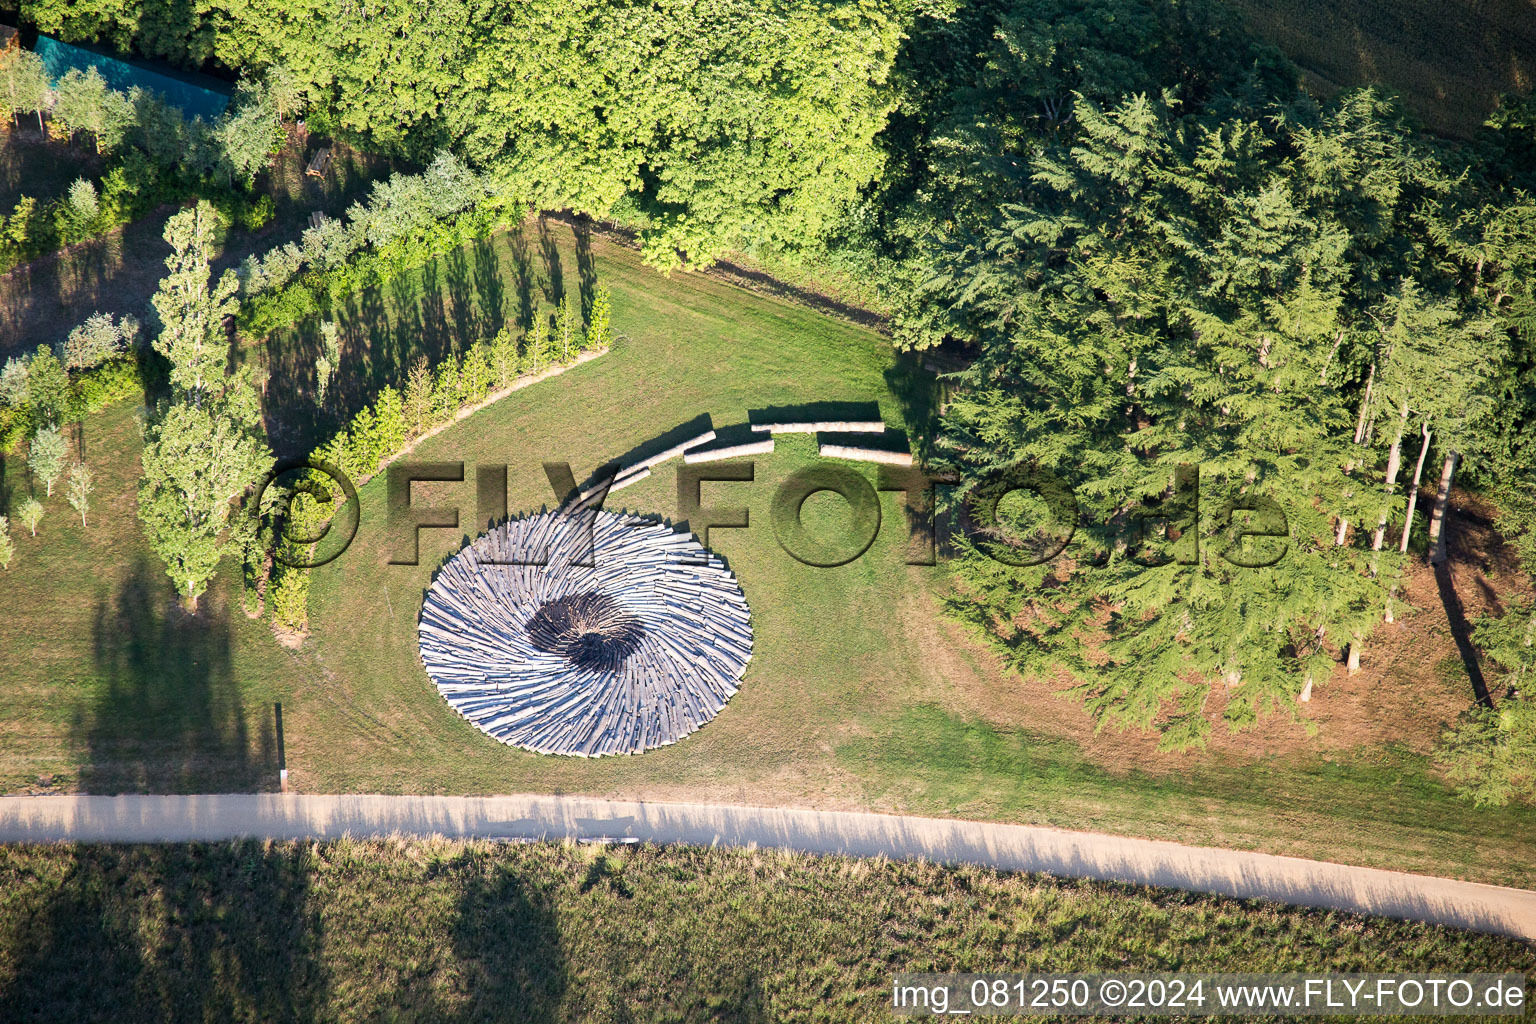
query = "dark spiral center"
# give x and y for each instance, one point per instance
(591, 630)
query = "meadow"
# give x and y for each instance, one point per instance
(448, 931)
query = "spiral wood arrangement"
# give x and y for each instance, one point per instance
(634, 652)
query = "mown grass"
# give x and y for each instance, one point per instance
(447, 931)
(1448, 61)
(856, 697)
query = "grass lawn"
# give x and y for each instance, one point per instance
(858, 694)
(1449, 61)
(440, 931)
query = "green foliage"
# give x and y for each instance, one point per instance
(599, 329)
(475, 374)
(249, 132)
(82, 485)
(568, 328)
(46, 456)
(100, 339)
(275, 298)
(447, 389)
(13, 383)
(725, 119)
(78, 216)
(1203, 272)
(23, 83)
(1490, 753)
(30, 513)
(207, 448)
(47, 386)
(328, 360)
(7, 546)
(191, 313)
(197, 460)
(95, 389)
(288, 597)
(504, 358)
(417, 400)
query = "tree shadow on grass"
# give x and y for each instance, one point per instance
(167, 714)
(461, 303)
(507, 943)
(554, 273)
(184, 932)
(522, 262)
(490, 288)
(586, 266)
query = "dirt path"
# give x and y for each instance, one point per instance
(1236, 873)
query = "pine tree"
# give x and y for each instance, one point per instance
(536, 345)
(447, 389)
(475, 374)
(503, 356)
(47, 455)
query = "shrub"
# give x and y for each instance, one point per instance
(288, 595)
(111, 382)
(97, 340)
(76, 216)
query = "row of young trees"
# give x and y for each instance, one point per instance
(431, 396)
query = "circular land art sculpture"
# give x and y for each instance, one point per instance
(634, 652)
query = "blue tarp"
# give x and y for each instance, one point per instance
(192, 100)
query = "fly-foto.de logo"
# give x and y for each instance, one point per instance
(1250, 531)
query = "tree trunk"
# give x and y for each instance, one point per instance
(1413, 492)
(1365, 405)
(1442, 501)
(1354, 654)
(40, 129)
(1360, 424)
(1394, 461)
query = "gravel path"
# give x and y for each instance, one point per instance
(1237, 873)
